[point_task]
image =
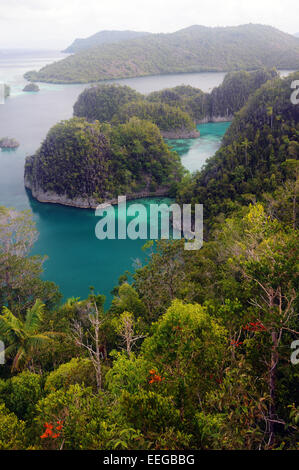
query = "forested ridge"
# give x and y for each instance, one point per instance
(175, 110)
(193, 49)
(195, 350)
(103, 37)
(223, 101)
(253, 158)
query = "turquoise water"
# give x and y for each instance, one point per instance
(194, 152)
(76, 258)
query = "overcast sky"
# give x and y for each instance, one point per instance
(53, 24)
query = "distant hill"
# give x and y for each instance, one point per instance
(297, 35)
(103, 37)
(194, 49)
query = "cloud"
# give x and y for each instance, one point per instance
(55, 23)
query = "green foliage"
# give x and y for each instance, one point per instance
(128, 374)
(149, 411)
(233, 93)
(92, 161)
(102, 102)
(77, 371)
(127, 299)
(23, 338)
(21, 393)
(103, 37)
(167, 118)
(172, 109)
(252, 158)
(12, 431)
(194, 49)
(186, 347)
(212, 328)
(84, 416)
(19, 273)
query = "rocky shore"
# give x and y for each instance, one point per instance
(214, 119)
(50, 197)
(181, 134)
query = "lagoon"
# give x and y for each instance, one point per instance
(76, 258)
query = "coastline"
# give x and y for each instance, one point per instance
(49, 197)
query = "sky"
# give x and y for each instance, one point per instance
(54, 24)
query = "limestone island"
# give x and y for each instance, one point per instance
(83, 164)
(7, 143)
(31, 87)
(118, 104)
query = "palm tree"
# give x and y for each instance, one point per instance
(23, 337)
(246, 145)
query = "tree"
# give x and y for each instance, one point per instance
(92, 341)
(11, 431)
(17, 236)
(125, 329)
(20, 273)
(23, 337)
(266, 256)
(186, 347)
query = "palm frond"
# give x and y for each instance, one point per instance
(34, 316)
(10, 325)
(38, 340)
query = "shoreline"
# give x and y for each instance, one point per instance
(89, 203)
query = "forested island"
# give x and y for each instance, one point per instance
(195, 350)
(31, 87)
(8, 143)
(193, 49)
(82, 164)
(117, 104)
(128, 155)
(103, 37)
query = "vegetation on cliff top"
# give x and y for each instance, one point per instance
(175, 109)
(223, 101)
(95, 161)
(102, 102)
(256, 156)
(167, 118)
(103, 37)
(194, 49)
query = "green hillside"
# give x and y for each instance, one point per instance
(194, 49)
(174, 110)
(256, 156)
(103, 37)
(223, 101)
